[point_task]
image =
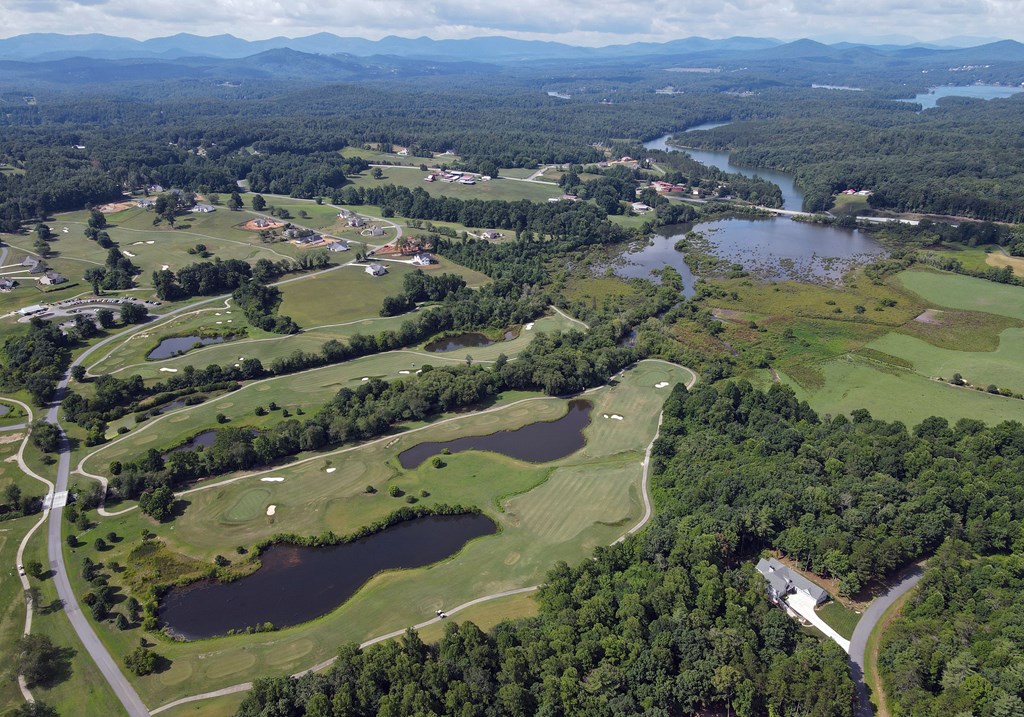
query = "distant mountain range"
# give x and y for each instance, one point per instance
(87, 59)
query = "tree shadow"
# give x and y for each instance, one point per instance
(177, 510)
(56, 605)
(58, 667)
(162, 665)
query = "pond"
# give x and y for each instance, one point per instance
(463, 341)
(536, 442)
(767, 248)
(296, 584)
(930, 99)
(201, 440)
(177, 345)
(4, 409)
(792, 197)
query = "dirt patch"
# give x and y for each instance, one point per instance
(11, 438)
(729, 314)
(253, 226)
(1000, 260)
(930, 316)
(115, 207)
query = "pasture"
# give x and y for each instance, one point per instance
(965, 292)
(500, 188)
(546, 512)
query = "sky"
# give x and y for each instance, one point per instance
(578, 22)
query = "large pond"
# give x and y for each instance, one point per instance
(767, 248)
(792, 197)
(930, 99)
(180, 344)
(463, 341)
(296, 584)
(537, 442)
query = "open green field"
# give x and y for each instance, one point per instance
(840, 618)
(507, 189)
(12, 608)
(849, 205)
(546, 512)
(350, 293)
(1003, 367)
(965, 292)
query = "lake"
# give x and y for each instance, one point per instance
(180, 344)
(296, 584)
(770, 249)
(537, 442)
(929, 99)
(792, 197)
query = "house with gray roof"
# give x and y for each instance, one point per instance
(782, 581)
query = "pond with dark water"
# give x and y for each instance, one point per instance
(792, 197)
(463, 341)
(536, 442)
(177, 345)
(770, 249)
(296, 584)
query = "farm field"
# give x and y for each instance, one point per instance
(506, 189)
(546, 512)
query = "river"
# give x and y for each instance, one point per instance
(792, 197)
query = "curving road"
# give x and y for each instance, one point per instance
(865, 626)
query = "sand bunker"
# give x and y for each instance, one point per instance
(128, 254)
(163, 267)
(616, 417)
(272, 480)
(136, 243)
(404, 373)
(330, 470)
(930, 316)
(365, 378)
(169, 370)
(151, 242)
(661, 384)
(604, 415)
(271, 509)
(528, 327)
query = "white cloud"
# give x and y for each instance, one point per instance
(593, 22)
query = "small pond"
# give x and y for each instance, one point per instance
(4, 409)
(463, 341)
(180, 344)
(201, 440)
(931, 98)
(296, 584)
(172, 406)
(537, 442)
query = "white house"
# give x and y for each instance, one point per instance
(782, 581)
(203, 208)
(51, 278)
(339, 246)
(640, 207)
(357, 222)
(490, 234)
(146, 203)
(376, 231)
(7, 284)
(423, 259)
(376, 270)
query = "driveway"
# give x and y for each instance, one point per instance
(803, 605)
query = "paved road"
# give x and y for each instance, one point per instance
(859, 641)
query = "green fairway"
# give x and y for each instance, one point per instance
(501, 188)
(307, 390)
(12, 606)
(546, 512)
(350, 293)
(965, 292)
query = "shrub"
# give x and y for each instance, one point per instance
(437, 462)
(394, 491)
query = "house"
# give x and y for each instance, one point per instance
(467, 180)
(357, 222)
(7, 284)
(339, 246)
(34, 309)
(376, 270)
(262, 223)
(782, 581)
(423, 259)
(640, 207)
(490, 234)
(154, 188)
(30, 261)
(146, 203)
(376, 231)
(344, 214)
(51, 278)
(203, 209)
(429, 178)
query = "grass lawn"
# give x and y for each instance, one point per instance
(499, 188)
(999, 260)
(225, 706)
(12, 607)
(965, 292)
(841, 619)
(556, 511)
(850, 205)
